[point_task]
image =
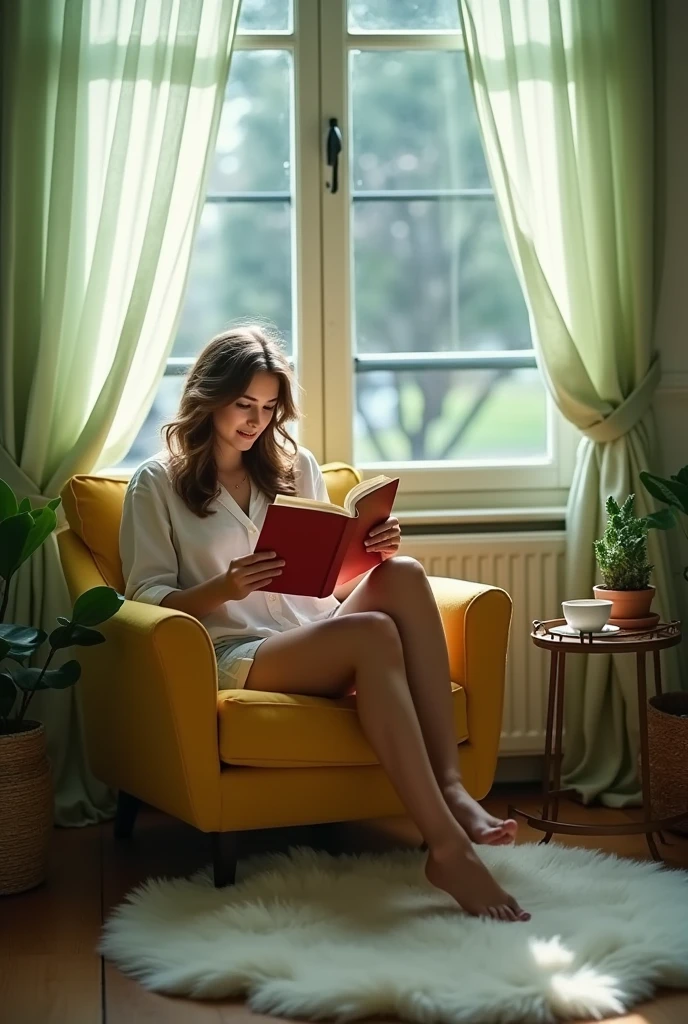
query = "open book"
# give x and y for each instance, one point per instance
(321, 543)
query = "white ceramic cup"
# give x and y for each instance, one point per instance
(588, 616)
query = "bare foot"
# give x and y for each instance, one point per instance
(480, 826)
(458, 871)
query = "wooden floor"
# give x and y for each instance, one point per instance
(50, 974)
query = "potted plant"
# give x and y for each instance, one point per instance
(673, 493)
(621, 555)
(26, 791)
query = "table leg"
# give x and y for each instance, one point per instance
(558, 734)
(645, 750)
(657, 672)
(549, 734)
(548, 822)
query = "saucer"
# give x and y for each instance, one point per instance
(570, 631)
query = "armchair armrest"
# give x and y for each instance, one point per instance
(149, 696)
(476, 620)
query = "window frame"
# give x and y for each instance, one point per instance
(552, 471)
(322, 278)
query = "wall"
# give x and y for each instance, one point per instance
(671, 99)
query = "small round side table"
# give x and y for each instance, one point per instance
(638, 642)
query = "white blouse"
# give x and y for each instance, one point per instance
(166, 547)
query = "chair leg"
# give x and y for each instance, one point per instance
(225, 855)
(125, 815)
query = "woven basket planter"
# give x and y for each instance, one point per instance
(668, 741)
(26, 809)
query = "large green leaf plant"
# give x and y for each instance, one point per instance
(22, 531)
(672, 492)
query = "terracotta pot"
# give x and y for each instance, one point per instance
(630, 608)
(26, 808)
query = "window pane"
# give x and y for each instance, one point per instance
(409, 15)
(148, 440)
(434, 275)
(413, 122)
(254, 136)
(265, 16)
(241, 262)
(240, 269)
(459, 414)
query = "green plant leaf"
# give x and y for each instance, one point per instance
(64, 676)
(13, 533)
(83, 636)
(23, 640)
(54, 679)
(5, 648)
(612, 507)
(24, 505)
(8, 694)
(63, 621)
(680, 491)
(8, 502)
(27, 678)
(54, 503)
(96, 606)
(61, 637)
(75, 635)
(626, 509)
(44, 522)
(682, 476)
(665, 519)
(671, 492)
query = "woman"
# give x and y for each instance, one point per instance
(191, 518)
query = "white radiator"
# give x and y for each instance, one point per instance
(529, 566)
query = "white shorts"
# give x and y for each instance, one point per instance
(235, 656)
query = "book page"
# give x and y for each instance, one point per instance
(324, 506)
(360, 490)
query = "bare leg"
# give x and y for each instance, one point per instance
(363, 651)
(400, 588)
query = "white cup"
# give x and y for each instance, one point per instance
(587, 616)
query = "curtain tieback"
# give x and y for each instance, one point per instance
(630, 412)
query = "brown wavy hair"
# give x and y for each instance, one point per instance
(220, 375)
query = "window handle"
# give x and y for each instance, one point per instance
(333, 148)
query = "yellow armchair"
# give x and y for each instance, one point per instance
(160, 732)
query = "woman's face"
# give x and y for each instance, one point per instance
(241, 422)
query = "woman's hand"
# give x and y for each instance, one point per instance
(384, 538)
(251, 572)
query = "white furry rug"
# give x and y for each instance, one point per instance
(314, 936)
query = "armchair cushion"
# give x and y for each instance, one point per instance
(93, 509)
(284, 730)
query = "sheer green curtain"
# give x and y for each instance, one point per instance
(564, 95)
(110, 112)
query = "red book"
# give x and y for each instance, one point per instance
(322, 544)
